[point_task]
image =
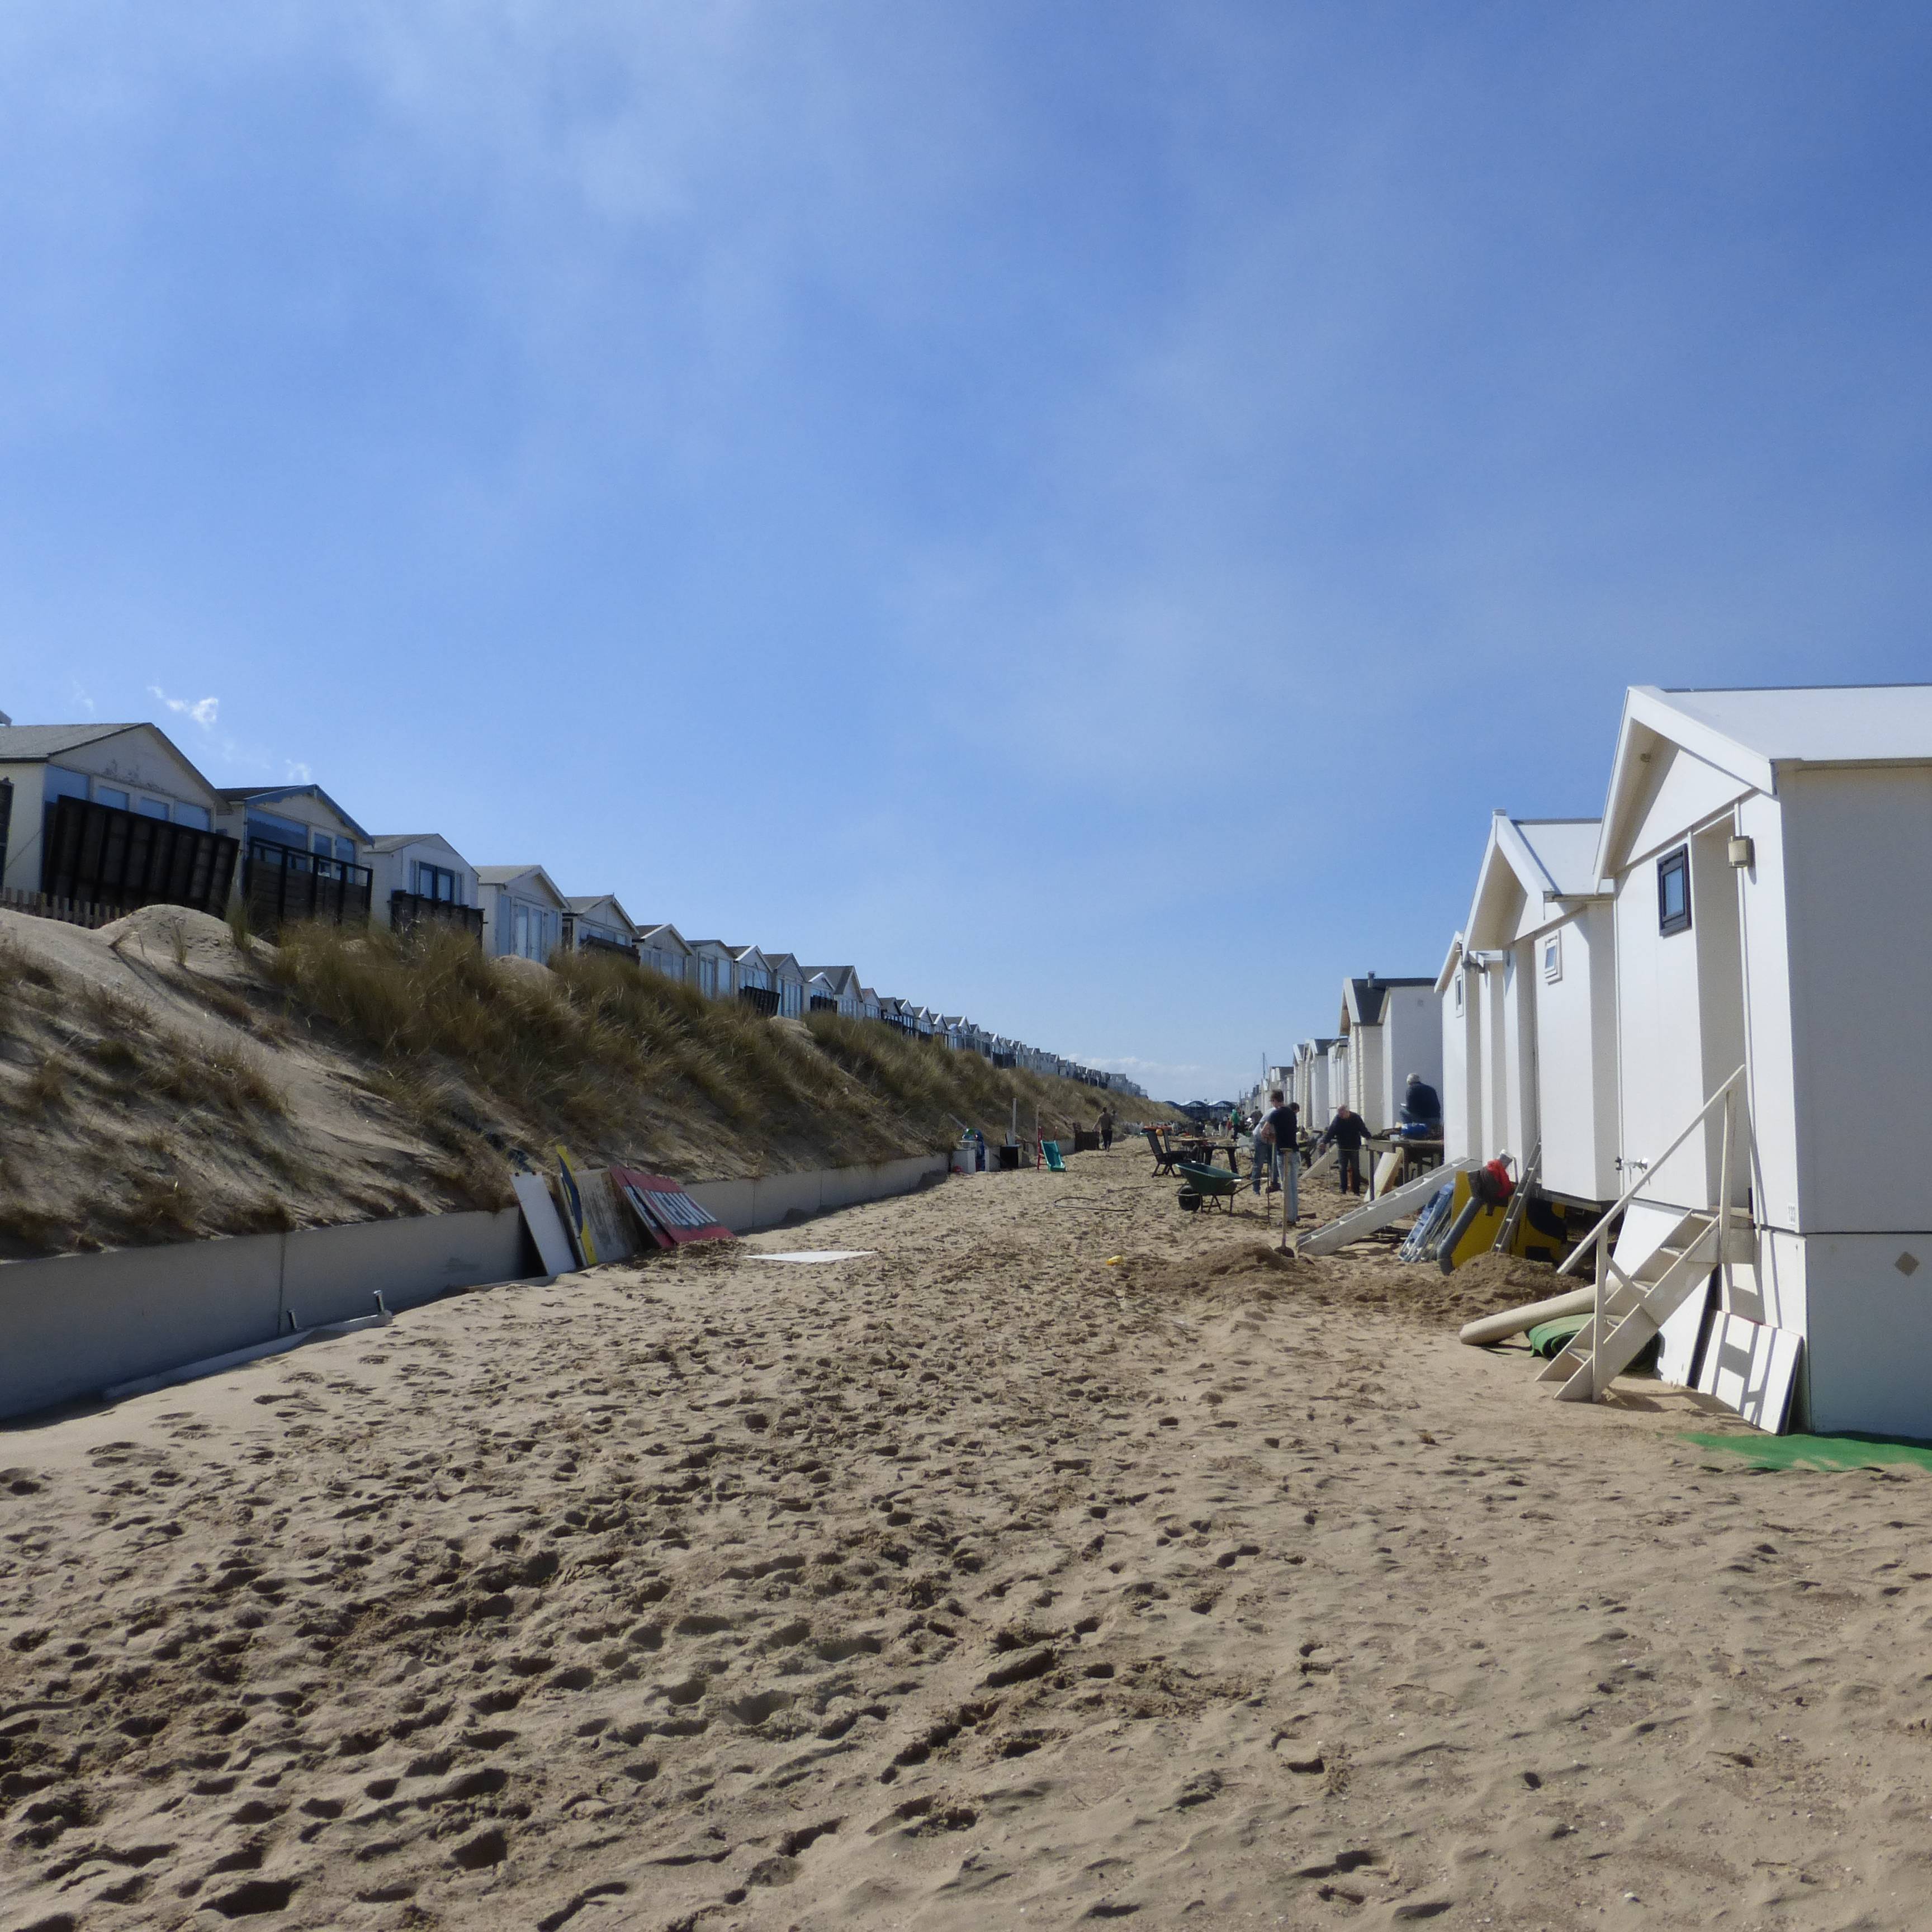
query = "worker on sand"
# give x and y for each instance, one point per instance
(1346, 1132)
(1276, 1134)
(1421, 1105)
(1106, 1127)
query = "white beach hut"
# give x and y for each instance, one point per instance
(713, 968)
(752, 972)
(1458, 992)
(1393, 1028)
(1537, 982)
(788, 979)
(1770, 855)
(523, 912)
(1338, 1079)
(1312, 1065)
(420, 876)
(597, 923)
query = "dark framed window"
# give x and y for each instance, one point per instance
(1673, 891)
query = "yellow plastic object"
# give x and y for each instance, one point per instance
(575, 1221)
(1479, 1236)
(1114, 1260)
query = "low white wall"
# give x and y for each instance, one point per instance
(73, 1324)
(746, 1206)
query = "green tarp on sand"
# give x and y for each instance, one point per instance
(1818, 1452)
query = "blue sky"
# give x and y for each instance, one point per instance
(1081, 510)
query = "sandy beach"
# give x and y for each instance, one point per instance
(1064, 1557)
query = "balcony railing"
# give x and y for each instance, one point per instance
(282, 882)
(104, 854)
(407, 910)
(760, 999)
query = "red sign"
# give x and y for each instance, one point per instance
(669, 1215)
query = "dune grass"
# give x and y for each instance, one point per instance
(936, 1088)
(584, 1047)
(599, 1049)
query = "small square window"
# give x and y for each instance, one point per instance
(110, 795)
(1553, 956)
(1673, 891)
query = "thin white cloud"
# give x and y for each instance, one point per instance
(299, 773)
(203, 710)
(82, 701)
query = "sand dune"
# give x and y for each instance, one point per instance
(971, 1582)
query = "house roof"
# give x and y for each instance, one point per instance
(395, 842)
(1363, 1001)
(839, 978)
(1749, 734)
(1842, 723)
(35, 744)
(583, 907)
(509, 875)
(660, 929)
(1552, 859)
(262, 794)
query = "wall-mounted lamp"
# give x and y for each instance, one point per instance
(1744, 854)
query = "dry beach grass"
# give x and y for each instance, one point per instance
(161, 1081)
(1063, 1558)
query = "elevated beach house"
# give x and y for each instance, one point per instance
(598, 924)
(664, 949)
(1770, 853)
(840, 986)
(419, 877)
(523, 912)
(753, 972)
(788, 979)
(1393, 1028)
(1529, 1011)
(110, 815)
(303, 857)
(713, 969)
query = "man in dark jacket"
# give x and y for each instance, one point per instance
(1346, 1132)
(1283, 1122)
(1421, 1105)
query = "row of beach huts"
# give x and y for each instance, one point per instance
(97, 819)
(1708, 1013)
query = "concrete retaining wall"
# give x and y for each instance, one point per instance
(73, 1324)
(746, 1206)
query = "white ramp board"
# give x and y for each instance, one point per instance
(1380, 1212)
(1749, 1366)
(544, 1222)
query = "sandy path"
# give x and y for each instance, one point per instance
(973, 1583)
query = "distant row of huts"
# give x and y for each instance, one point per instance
(1717, 994)
(98, 818)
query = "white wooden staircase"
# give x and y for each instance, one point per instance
(1631, 1309)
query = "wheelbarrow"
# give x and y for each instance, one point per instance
(1207, 1185)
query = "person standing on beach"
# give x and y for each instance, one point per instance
(1275, 1133)
(1106, 1128)
(1346, 1132)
